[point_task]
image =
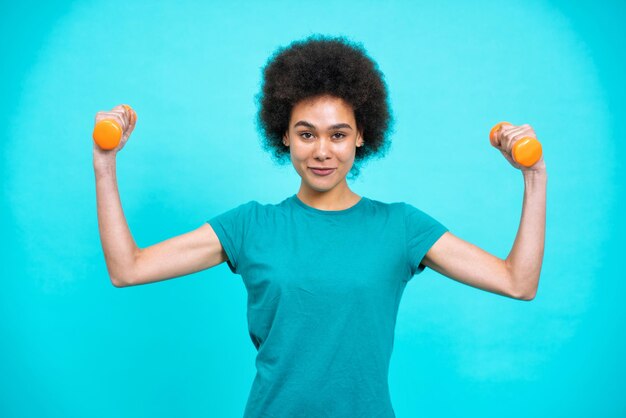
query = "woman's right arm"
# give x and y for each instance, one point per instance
(127, 264)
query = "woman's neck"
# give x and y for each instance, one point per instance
(329, 200)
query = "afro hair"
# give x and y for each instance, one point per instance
(324, 65)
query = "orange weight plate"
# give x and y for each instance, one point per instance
(527, 151)
(107, 134)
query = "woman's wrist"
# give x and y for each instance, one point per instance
(103, 160)
(537, 172)
(535, 179)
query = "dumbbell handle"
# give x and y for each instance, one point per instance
(527, 151)
(108, 133)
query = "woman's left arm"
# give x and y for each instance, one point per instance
(518, 275)
(526, 256)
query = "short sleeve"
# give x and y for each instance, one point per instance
(231, 227)
(422, 231)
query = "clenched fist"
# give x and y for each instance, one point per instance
(505, 138)
(125, 118)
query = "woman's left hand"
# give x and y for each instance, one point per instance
(507, 136)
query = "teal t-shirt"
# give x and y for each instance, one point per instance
(323, 293)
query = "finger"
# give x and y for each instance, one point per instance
(133, 117)
(131, 126)
(530, 130)
(128, 113)
(519, 137)
(512, 135)
(109, 115)
(522, 128)
(132, 121)
(99, 114)
(507, 128)
(499, 134)
(124, 113)
(125, 117)
(112, 116)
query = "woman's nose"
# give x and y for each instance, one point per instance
(322, 148)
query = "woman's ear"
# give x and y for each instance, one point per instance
(286, 139)
(360, 140)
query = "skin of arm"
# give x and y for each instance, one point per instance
(130, 265)
(517, 276)
(118, 245)
(526, 257)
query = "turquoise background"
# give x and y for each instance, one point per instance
(72, 345)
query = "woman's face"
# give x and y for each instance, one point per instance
(322, 134)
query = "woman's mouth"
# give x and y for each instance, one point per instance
(322, 172)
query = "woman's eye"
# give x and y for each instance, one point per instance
(308, 135)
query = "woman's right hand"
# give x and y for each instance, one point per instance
(126, 119)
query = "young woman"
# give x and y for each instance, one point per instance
(325, 268)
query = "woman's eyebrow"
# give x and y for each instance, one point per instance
(310, 125)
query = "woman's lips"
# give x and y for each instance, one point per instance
(322, 172)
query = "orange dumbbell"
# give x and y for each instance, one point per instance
(108, 133)
(527, 151)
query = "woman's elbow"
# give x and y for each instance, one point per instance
(117, 282)
(528, 296)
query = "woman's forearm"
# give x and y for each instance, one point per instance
(117, 242)
(526, 256)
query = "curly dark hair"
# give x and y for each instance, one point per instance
(321, 65)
